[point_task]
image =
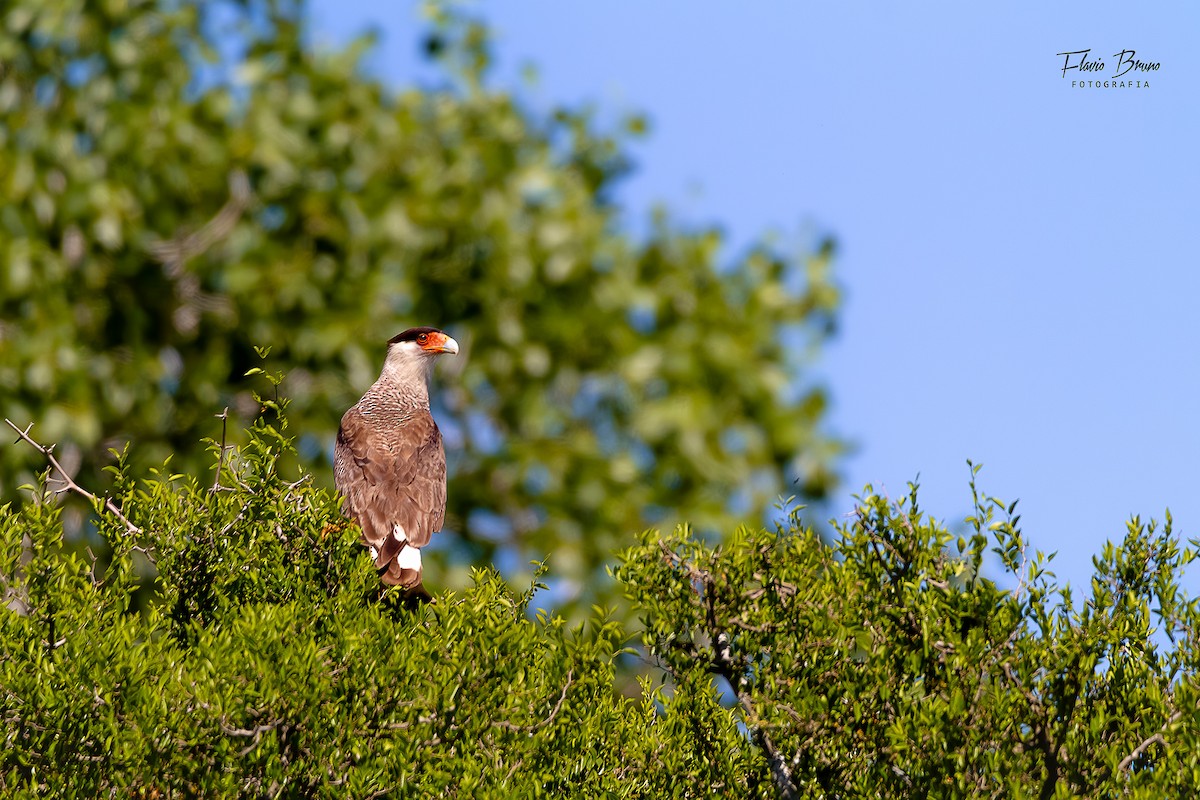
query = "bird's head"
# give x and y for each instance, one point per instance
(410, 358)
(421, 342)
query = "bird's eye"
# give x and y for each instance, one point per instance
(423, 338)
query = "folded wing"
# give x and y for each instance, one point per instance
(393, 477)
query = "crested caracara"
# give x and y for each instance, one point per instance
(388, 462)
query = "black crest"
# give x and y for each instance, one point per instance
(411, 334)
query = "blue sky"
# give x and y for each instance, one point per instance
(1019, 257)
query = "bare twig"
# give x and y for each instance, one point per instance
(1023, 577)
(1034, 701)
(781, 588)
(253, 734)
(1128, 760)
(508, 776)
(1157, 738)
(69, 484)
(240, 516)
(96, 581)
(256, 731)
(508, 726)
(224, 417)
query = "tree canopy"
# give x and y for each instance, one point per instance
(184, 182)
(880, 664)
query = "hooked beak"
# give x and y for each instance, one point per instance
(444, 344)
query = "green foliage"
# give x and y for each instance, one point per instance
(271, 663)
(181, 181)
(887, 665)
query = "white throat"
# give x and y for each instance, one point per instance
(408, 371)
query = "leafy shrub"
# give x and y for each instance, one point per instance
(888, 665)
(270, 662)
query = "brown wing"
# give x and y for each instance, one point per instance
(392, 475)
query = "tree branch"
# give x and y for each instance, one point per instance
(723, 665)
(172, 253)
(508, 726)
(1128, 760)
(224, 417)
(1157, 738)
(69, 483)
(253, 734)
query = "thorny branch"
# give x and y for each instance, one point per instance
(69, 485)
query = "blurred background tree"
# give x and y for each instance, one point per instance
(185, 181)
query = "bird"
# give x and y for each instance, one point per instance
(388, 461)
